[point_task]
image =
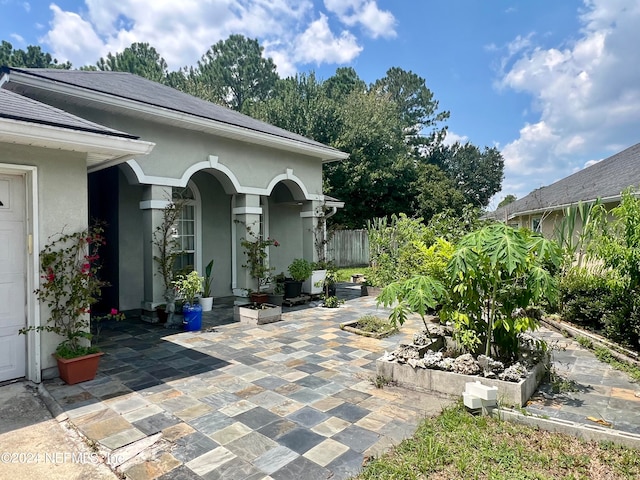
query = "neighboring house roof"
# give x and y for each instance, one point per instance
(605, 180)
(17, 107)
(138, 89)
(25, 121)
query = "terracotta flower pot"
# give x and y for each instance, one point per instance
(258, 297)
(78, 369)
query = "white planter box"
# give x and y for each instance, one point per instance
(314, 285)
(257, 317)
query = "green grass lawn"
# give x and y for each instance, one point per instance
(457, 445)
(344, 274)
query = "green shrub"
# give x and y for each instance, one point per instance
(393, 240)
(493, 278)
(587, 298)
(419, 259)
(622, 324)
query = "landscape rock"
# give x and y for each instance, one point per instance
(466, 365)
(514, 373)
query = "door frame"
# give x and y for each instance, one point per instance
(29, 174)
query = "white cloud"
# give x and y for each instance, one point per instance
(26, 6)
(378, 23)
(591, 162)
(17, 38)
(452, 138)
(72, 37)
(292, 32)
(586, 93)
(318, 44)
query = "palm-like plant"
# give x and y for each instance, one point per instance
(494, 276)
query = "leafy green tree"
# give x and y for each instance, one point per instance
(140, 59)
(477, 174)
(436, 193)
(417, 106)
(299, 104)
(237, 73)
(507, 200)
(341, 84)
(32, 57)
(377, 177)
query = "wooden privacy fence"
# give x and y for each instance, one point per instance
(348, 248)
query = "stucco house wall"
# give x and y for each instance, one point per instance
(62, 205)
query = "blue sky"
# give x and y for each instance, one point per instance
(555, 85)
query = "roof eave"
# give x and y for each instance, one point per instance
(611, 198)
(324, 153)
(102, 151)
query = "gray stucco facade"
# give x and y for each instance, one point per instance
(241, 172)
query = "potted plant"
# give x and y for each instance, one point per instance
(277, 295)
(255, 249)
(207, 300)
(70, 285)
(300, 269)
(188, 287)
(314, 284)
(164, 239)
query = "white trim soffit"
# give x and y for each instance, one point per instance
(103, 150)
(326, 154)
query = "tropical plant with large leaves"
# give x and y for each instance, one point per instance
(495, 275)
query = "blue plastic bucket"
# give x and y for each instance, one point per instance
(192, 317)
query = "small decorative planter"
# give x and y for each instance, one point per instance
(352, 327)
(369, 291)
(206, 303)
(258, 297)
(162, 315)
(192, 317)
(314, 284)
(257, 314)
(292, 289)
(78, 369)
(276, 299)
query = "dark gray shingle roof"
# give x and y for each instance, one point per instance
(604, 179)
(133, 87)
(17, 107)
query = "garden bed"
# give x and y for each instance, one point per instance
(257, 314)
(451, 383)
(408, 367)
(355, 326)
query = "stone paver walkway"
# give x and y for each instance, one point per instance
(288, 400)
(590, 389)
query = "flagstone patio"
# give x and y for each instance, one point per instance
(293, 399)
(288, 400)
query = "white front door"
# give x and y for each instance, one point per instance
(13, 301)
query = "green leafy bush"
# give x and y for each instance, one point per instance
(391, 245)
(494, 276)
(588, 298)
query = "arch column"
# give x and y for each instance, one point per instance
(311, 213)
(154, 199)
(247, 213)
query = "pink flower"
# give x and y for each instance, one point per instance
(275, 243)
(114, 311)
(86, 267)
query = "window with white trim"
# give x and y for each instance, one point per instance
(185, 232)
(536, 224)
